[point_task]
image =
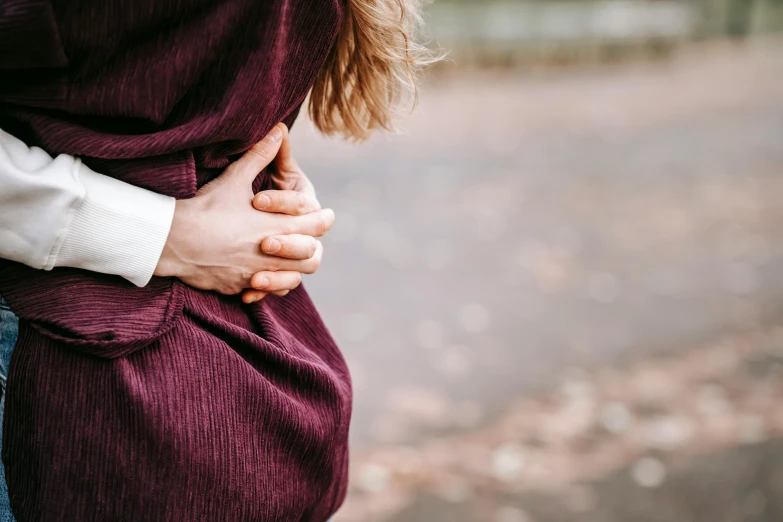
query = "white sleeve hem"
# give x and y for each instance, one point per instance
(116, 228)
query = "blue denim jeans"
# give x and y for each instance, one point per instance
(9, 329)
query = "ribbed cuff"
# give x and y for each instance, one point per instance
(117, 228)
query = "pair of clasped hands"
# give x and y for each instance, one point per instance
(227, 240)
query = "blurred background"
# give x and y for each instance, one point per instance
(560, 289)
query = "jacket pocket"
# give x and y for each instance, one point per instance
(100, 315)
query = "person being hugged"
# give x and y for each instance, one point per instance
(154, 225)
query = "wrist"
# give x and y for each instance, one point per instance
(172, 260)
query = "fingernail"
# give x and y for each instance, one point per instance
(272, 246)
(275, 135)
(263, 201)
(263, 283)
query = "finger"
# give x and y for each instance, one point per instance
(314, 224)
(287, 173)
(258, 157)
(308, 266)
(289, 202)
(252, 296)
(293, 180)
(293, 246)
(285, 159)
(275, 281)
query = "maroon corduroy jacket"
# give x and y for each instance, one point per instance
(165, 403)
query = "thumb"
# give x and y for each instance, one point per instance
(260, 155)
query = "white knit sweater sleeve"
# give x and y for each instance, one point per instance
(58, 212)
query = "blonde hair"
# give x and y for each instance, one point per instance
(372, 72)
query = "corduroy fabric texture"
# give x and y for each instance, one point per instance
(165, 403)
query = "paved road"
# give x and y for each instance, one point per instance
(530, 232)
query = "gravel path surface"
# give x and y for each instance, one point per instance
(530, 235)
